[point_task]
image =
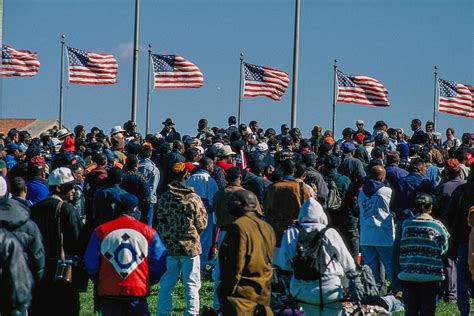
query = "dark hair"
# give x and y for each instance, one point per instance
(17, 186)
(23, 135)
(145, 152)
(304, 143)
(177, 144)
(132, 161)
(78, 129)
(232, 120)
(76, 167)
(425, 155)
(204, 162)
(99, 158)
(190, 154)
(252, 123)
(377, 152)
(233, 174)
(114, 175)
(288, 167)
(416, 164)
(286, 141)
(391, 131)
(416, 122)
(309, 159)
(300, 169)
(450, 129)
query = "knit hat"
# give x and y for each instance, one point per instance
(453, 164)
(317, 128)
(38, 161)
(328, 140)
(178, 170)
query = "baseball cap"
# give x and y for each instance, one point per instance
(262, 147)
(348, 147)
(127, 203)
(61, 176)
(359, 122)
(116, 129)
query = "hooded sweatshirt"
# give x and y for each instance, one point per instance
(376, 222)
(312, 217)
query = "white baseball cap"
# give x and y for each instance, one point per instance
(262, 147)
(60, 176)
(359, 122)
(116, 129)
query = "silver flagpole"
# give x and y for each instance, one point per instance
(61, 85)
(148, 93)
(135, 61)
(296, 43)
(435, 103)
(334, 93)
(241, 87)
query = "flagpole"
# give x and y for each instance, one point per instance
(296, 45)
(148, 93)
(135, 61)
(334, 93)
(61, 86)
(241, 87)
(435, 96)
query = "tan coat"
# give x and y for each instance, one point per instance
(245, 259)
(282, 204)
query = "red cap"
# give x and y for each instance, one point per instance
(38, 161)
(359, 137)
(68, 144)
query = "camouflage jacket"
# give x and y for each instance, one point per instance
(181, 218)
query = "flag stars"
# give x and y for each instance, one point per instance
(163, 63)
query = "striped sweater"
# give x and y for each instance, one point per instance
(423, 241)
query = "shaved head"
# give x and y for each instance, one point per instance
(377, 172)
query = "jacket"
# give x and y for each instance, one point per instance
(282, 203)
(181, 217)
(119, 239)
(245, 260)
(394, 172)
(15, 217)
(376, 222)
(255, 184)
(38, 190)
(16, 282)
(344, 186)
(152, 174)
(352, 168)
(204, 185)
(315, 177)
(424, 240)
(170, 136)
(135, 183)
(458, 211)
(470, 259)
(336, 256)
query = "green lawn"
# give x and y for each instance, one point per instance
(207, 298)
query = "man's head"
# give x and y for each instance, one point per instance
(179, 172)
(145, 152)
(206, 163)
(423, 203)
(192, 155)
(377, 173)
(80, 131)
(24, 137)
(100, 159)
(13, 134)
(132, 162)
(348, 148)
(360, 125)
(227, 154)
(232, 120)
(452, 168)
(242, 202)
(449, 133)
(347, 133)
(78, 172)
(202, 124)
(234, 175)
(393, 157)
(254, 126)
(287, 141)
(392, 133)
(284, 129)
(332, 162)
(178, 146)
(417, 165)
(126, 204)
(130, 126)
(415, 124)
(429, 126)
(270, 133)
(18, 187)
(309, 159)
(288, 167)
(114, 175)
(61, 182)
(300, 171)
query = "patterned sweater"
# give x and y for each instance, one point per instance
(424, 240)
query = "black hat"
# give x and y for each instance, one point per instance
(379, 124)
(168, 122)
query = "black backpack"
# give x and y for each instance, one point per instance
(333, 201)
(309, 263)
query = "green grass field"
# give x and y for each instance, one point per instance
(207, 298)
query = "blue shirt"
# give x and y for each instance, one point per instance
(38, 190)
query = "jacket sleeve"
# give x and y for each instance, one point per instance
(157, 254)
(72, 229)
(284, 259)
(36, 251)
(339, 248)
(92, 257)
(232, 256)
(200, 214)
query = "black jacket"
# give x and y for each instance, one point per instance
(458, 210)
(171, 136)
(16, 282)
(15, 217)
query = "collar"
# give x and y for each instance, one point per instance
(288, 178)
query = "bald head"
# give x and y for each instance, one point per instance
(377, 172)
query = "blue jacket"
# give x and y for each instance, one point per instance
(405, 191)
(38, 190)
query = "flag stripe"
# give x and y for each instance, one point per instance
(18, 62)
(264, 81)
(174, 72)
(91, 68)
(456, 98)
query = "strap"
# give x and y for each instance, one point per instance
(61, 239)
(301, 184)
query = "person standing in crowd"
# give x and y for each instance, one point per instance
(37, 185)
(123, 258)
(14, 155)
(443, 193)
(232, 121)
(79, 200)
(315, 177)
(245, 260)
(105, 197)
(284, 129)
(18, 191)
(424, 240)
(204, 132)
(418, 132)
(394, 172)
(95, 179)
(336, 257)
(283, 200)
(205, 186)
(377, 229)
(181, 217)
(58, 220)
(402, 204)
(350, 166)
(360, 129)
(316, 138)
(134, 182)
(169, 132)
(152, 174)
(450, 141)
(16, 282)
(458, 210)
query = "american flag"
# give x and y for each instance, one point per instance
(174, 71)
(91, 68)
(21, 63)
(361, 90)
(456, 98)
(264, 81)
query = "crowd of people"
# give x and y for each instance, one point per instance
(240, 205)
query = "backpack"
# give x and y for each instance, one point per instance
(362, 285)
(333, 201)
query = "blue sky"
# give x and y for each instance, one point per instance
(397, 42)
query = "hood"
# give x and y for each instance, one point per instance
(12, 214)
(311, 212)
(371, 186)
(179, 190)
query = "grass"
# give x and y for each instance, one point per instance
(206, 293)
